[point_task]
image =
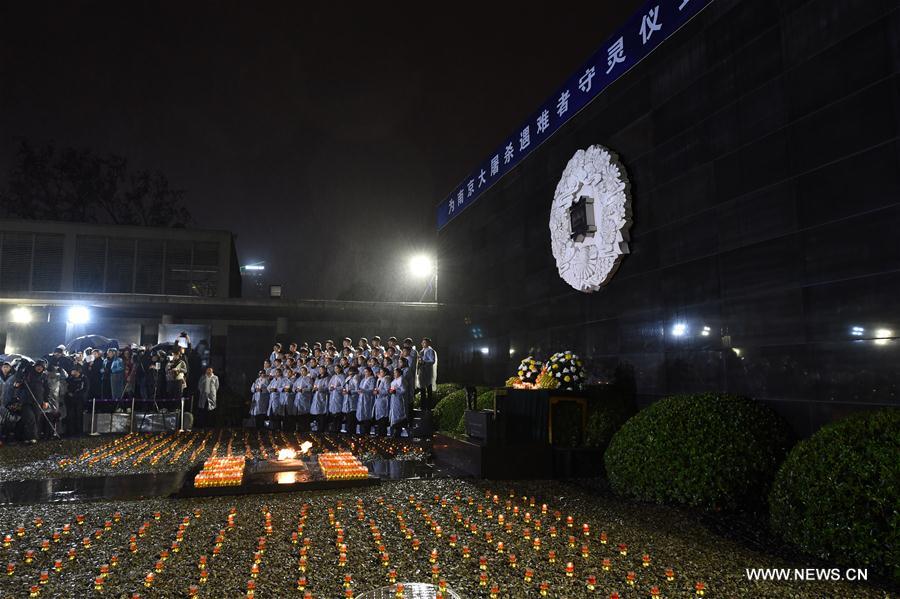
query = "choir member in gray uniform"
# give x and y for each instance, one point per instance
(319, 409)
(398, 403)
(351, 400)
(365, 406)
(382, 402)
(336, 398)
(427, 362)
(279, 392)
(303, 392)
(259, 399)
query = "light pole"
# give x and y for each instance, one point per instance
(422, 266)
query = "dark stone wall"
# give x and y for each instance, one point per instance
(761, 142)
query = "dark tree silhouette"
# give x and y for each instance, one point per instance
(80, 185)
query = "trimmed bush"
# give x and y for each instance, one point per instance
(837, 495)
(605, 418)
(449, 410)
(442, 390)
(707, 450)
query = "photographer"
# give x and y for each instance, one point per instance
(31, 392)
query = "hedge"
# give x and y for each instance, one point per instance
(709, 451)
(837, 495)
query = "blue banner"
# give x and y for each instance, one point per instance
(631, 43)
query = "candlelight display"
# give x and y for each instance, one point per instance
(221, 472)
(342, 466)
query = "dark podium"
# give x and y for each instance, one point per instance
(512, 440)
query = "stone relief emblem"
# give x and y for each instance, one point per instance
(590, 218)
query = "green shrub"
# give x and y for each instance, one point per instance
(707, 450)
(837, 495)
(442, 390)
(448, 411)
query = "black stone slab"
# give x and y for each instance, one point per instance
(90, 488)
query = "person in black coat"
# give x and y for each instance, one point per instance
(32, 390)
(94, 375)
(76, 392)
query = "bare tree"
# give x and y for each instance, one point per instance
(80, 185)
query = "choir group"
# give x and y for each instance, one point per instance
(352, 389)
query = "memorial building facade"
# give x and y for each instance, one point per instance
(720, 216)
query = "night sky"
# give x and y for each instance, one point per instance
(323, 136)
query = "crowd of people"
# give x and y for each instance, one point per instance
(357, 388)
(50, 395)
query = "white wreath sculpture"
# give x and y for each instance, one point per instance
(595, 174)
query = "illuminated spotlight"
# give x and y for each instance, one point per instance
(736, 351)
(421, 266)
(679, 329)
(857, 331)
(485, 350)
(78, 315)
(20, 315)
(705, 331)
(511, 351)
(252, 267)
(882, 336)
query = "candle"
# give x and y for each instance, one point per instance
(433, 557)
(392, 576)
(495, 591)
(148, 579)
(570, 569)
(607, 563)
(57, 565)
(34, 591)
(301, 583)
(586, 530)
(585, 550)
(623, 549)
(629, 578)
(482, 579)
(482, 563)
(603, 537)
(204, 576)
(435, 571)
(591, 582)
(670, 574)
(654, 592)
(98, 583)
(645, 560)
(29, 556)
(700, 588)
(551, 556)
(529, 574)
(571, 541)
(10, 568)
(7, 540)
(545, 588)
(512, 560)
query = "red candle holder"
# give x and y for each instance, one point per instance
(654, 592)
(629, 578)
(10, 568)
(529, 574)
(700, 589)
(670, 574)
(591, 582)
(623, 549)
(570, 569)
(545, 588)
(513, 562)
(645, 560)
